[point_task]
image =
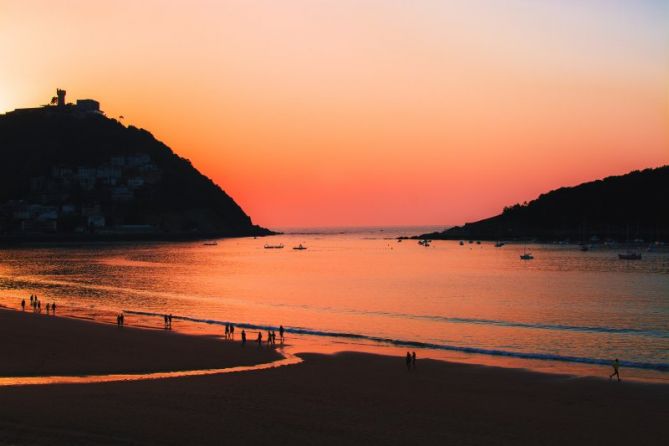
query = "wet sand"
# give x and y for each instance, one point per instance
(36, 344)
(349, 398)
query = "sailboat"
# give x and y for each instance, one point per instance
(526, 256)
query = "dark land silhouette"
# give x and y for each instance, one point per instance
(69, 172)
(623, 208)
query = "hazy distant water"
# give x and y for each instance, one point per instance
(362, 285)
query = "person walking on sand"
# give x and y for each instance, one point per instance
(259, 339)
(169, 320)
(232, 331)
(53, 308)
(165, 319)
(615, 364)
(413, 360)
(23, 305)
(48, 308)
(243, 338)
(227, 330)
(408, 361)
(281, 333)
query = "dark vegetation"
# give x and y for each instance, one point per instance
(621, 208)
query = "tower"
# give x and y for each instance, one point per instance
(61, 97)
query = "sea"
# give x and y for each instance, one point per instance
(565, 311)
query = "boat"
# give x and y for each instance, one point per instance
(584, 248)
(279, 246)
(462, 243)
(478, 242)
(425, 243)
(499, 244)
(300, 247)
(630, 256)
(210, 244)
(526, 256)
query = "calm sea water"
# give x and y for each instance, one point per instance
(566, 310)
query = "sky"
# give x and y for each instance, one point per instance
(363, 112)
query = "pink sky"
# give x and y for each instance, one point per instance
(342, 112)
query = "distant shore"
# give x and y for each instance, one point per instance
(348, 398)
(39, 239)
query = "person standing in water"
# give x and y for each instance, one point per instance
(259, 339)
(53, 308)
(243, 338)
(281, 332)
(408, 361)
(413, 360)
(616, 372)
(23, 305)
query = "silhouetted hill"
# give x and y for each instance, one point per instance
(66, 172)
(622, 208)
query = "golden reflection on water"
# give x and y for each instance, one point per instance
(471, 296)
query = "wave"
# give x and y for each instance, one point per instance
(662, 367)
(540, 326)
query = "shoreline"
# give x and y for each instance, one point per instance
(343, 398)
(303, 342)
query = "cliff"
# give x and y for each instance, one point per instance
(622, 208)
(69, 173)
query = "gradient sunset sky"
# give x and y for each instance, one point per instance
(355, 112)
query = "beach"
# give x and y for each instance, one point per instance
(347, 398)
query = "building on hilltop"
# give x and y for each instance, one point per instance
(81, 108)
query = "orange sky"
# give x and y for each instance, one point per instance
(356, 112)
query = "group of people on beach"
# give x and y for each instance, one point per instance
(230, 330)
(168, 321)
(271, 336)
(36, 305)
(411, 360)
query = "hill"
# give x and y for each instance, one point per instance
(621, 208)
(69, 172)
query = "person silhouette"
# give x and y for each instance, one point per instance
(243, 338)
(281, 332)
(23, 305)
(165, 319)
(413, 360)
(259, 338)
(615, 364)
(169, 320)
(53, 308)
(408, 361)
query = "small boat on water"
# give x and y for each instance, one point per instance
(526, 256)
(425, 243)
(462, 243)
(300, 247)
(630, 256)
(478, 242)
(499, 244)
(210, 244)
(279, 246)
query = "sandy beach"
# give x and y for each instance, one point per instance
(348, 398)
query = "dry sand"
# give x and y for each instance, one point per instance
(343, 399)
